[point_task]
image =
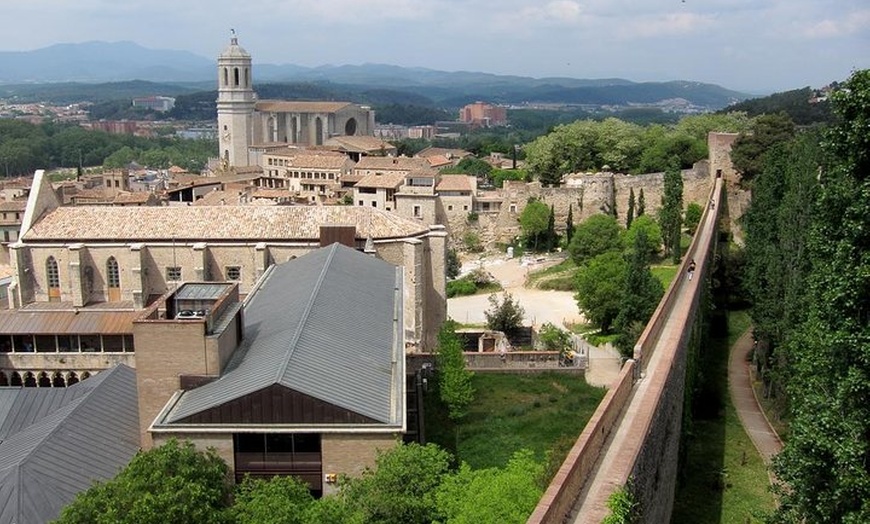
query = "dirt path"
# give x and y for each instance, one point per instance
(751, 416)
(555, 307)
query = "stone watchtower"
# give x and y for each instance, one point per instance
(235, 104)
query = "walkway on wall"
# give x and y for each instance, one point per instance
(625, 442)
(754, 421)
(604, 456)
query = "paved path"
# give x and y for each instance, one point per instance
(751, 416)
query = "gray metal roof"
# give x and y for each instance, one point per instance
(328, 325)
(201, 291)
(82, 434)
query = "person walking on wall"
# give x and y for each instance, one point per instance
(691, 269)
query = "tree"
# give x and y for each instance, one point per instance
(534, 220)
(651, 230)
(823, 466)
(641, 204)
(629, 214)
(171, 483)
(640, 295)
(504, 315)
(454, 380)
(692, 216)
(747, 152)
(279, 500)
(401, 488)
(504, 495)
(596, 235)
(569, 225)
(553, 338)
(671, 212)
(552, 238)
(599, 287)
(454, 266)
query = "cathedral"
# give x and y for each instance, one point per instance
(245, 122)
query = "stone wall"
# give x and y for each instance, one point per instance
(350, 454)
(587, 195)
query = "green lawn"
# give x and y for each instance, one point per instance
(540, 412)
(724, 479)
(665, 273)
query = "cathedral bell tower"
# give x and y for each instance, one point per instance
(235, 104)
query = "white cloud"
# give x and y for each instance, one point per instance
(666, 24)
(849, 24)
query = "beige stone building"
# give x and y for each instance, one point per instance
(245, 122)
(311, 174)
(81, 275)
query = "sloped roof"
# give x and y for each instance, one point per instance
(454, 183)
(212, 223)
(328, 325)
(57, 442)
(360, 143)
(289, 106)
(390, 163)
(382, 180)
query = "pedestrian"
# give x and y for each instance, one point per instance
(691, 269)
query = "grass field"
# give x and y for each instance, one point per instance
(724, 479)
(542, 412)
(665, 273)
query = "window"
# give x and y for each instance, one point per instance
(417, 212)
(450, 207)
(173, 273)
(465, 208)
(113, 275)
(234, 272)
(52, 275)
(361, 203)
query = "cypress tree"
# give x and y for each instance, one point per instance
(641, 204)
(629, 215)
(569, 225)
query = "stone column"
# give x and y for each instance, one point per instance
(138, 277)
(200, 268)
(76, 283)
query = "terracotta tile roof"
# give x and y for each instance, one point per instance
(320, 160)
(205, 223)
(219, 198)
(272, 193)
(386, 181)
(140, 197)
(454, 183)
(91, 194)
(360, 143)
(288, 106)
(442, 152)
(13, 205)
(439, 161)
(175, 170)
(387, 163)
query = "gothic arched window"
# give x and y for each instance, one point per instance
(52, 277)
(113, 280)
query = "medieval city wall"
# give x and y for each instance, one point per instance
(587, 194)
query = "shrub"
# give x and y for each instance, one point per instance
(461, 287)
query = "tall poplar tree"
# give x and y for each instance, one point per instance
(629, 214)
(569, 225)
(671, 212)
(641, 204)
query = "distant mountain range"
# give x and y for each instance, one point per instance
(99, 62)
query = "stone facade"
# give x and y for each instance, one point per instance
(350, 454)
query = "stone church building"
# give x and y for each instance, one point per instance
(244, 121)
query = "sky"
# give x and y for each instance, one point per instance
(757, 46)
